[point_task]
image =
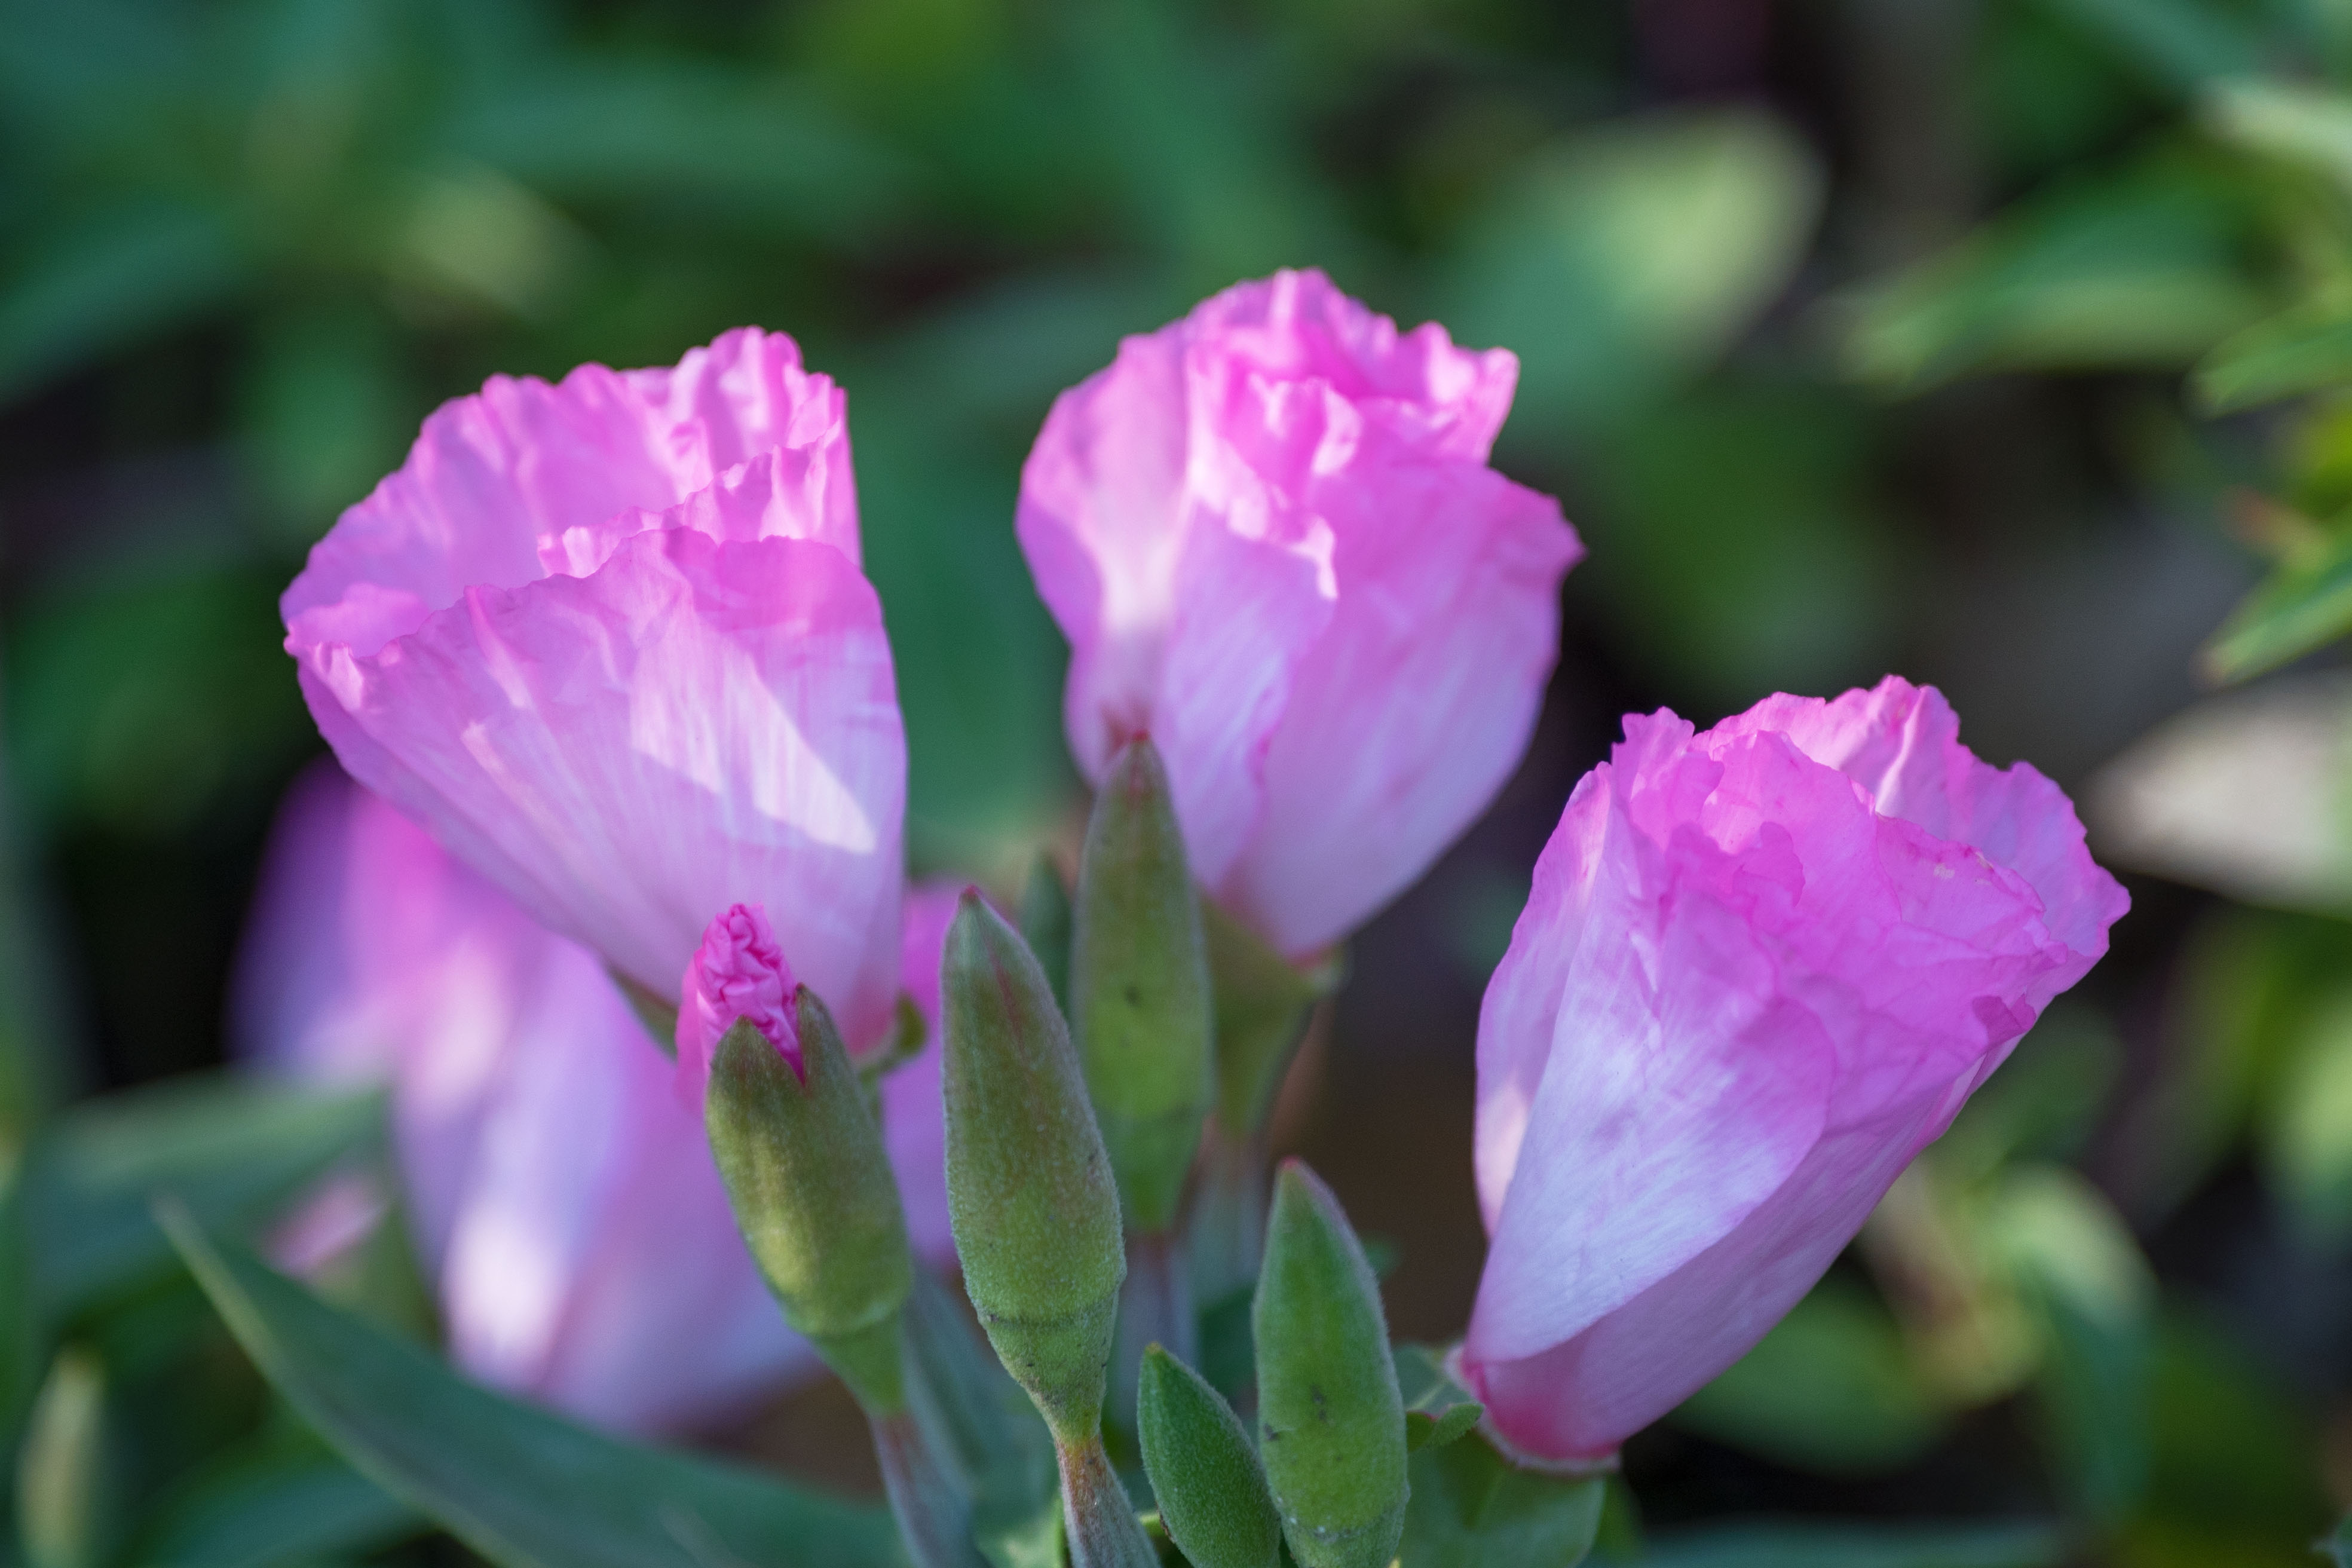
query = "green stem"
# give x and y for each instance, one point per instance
(1103, 1529)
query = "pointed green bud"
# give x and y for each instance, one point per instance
(1330, 1421)
(814, 1195)
(1139, 988)
(1045, 924)
(1205, 1469)
(1030, 1193)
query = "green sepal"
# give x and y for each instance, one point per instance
(657, 1012)
(814, 1195)
(1205, 1471)
(1140, 1004)
(1047, 924)
(1030, 1193)
(1330, 1417)
(1437, 1410)
(1471, 1507)
(1262, 1001)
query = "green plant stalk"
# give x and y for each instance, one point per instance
(1103, 1530)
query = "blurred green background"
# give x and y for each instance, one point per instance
(2001, 342)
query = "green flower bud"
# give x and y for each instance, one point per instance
(1210, 1481)
(1030, 1193)
(1045, 924)
(814, 1195)
(1139, 988)
(1330, 1421)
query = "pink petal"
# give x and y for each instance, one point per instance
(738, 974)
(695, 724)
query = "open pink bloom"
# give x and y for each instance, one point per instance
(737, 973)
(562, 1200)
(1271, 535)
(610, 642)
(1761, 968)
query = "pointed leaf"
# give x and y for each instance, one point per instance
(1472, 1508)
(522, 1487)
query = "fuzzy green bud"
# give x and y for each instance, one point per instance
(1330, 1420)
(1030, 1192)
(1139, 988)
(812, 1192)
(1205, 1469)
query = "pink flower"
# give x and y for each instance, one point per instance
(738, 972)
(609, 641)
(1760, 969)
(1272, 538)
(561, 1198)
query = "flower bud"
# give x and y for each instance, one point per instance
(812, 1192)
(738, 971)
(1205, 1469)
(1330, 1420)
(1139, 988)
(1030, 1191)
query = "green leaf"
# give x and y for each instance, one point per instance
(2179, 43)
(2310, 126)
(1861, 1546)
(1437, 1410)
(1621, 259)
(276, 1511)
(2136, 269)
(1205, 1469)
(972, 1410)
(522, 1487)
(1830, 1389)
(1472, 1508)
(2305, 1144)
(232, 1149)
(61, 1471)
(2297, 350)
(2301, 607)
(2338, 1544)
(98, 285)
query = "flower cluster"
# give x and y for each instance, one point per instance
(603, 657)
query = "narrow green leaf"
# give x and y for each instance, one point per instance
(1861, 1546)
(1472, 1508)
(974, 1414)
(231, 1149)
(2298, 351)
(1048, 922)
(2296, 609)
(277, 1511)
(130, 272)
(522, 1487)
(1437, 1410)
(1204, 1470)
(60, 1472)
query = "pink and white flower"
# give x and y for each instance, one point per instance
(1271, 534)
(1761, 968)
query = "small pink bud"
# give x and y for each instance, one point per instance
(738, 972)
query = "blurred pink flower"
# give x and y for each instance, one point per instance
(1272, 538)
(738, 972)
(610, 642)
(1760, 969)
(561, 1198)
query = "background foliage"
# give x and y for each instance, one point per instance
(1999, 342)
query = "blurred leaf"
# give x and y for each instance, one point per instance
(2180, 43)
(2299, 123)
(1861, 1546)
(2300, 607)
(233, 1151)
(1625, 257)
(972, 1410)
(740, 146)
(2338, 1544)
(325, 414)
(141, 701)
(1228, 1347)
(1830, 1389)
(34, 1056)
(277, 1511)
(2237, 1467)
(60, 1471)
(2242, 793)
(2043, 1101)
(2080, 1262)
(523, 1486)
(2307, 1144)
(2301, 349)
(1470, 1507)
(98, 285)
(2136, 269)
(1734, 548)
